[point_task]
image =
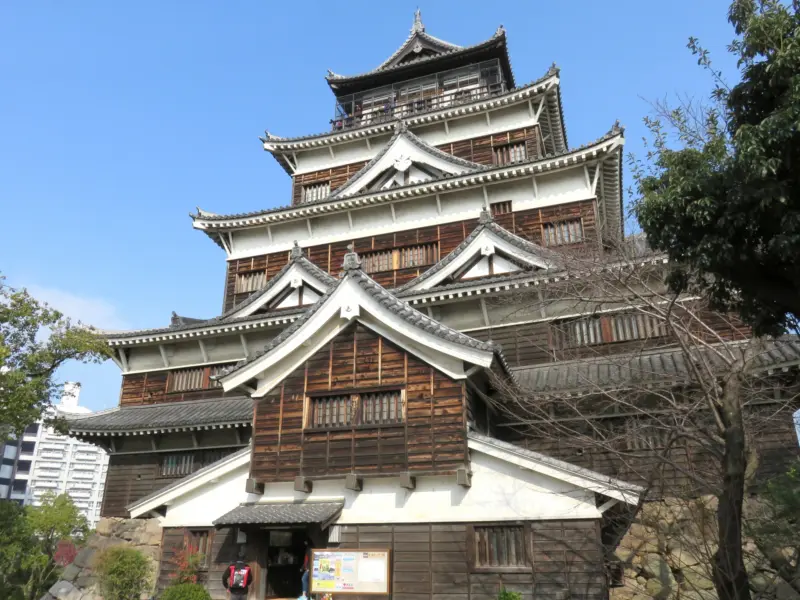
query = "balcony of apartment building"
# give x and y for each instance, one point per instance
(76, 494)
(84, 475)
(40, 486)
(48, 473)
(82, 455)
(27, 449)
(84, 467)
(432, 92)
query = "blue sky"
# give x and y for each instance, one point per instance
(117, 119)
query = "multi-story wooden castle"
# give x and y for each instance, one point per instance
(341, 396)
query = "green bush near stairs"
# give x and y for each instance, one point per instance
(185, 591)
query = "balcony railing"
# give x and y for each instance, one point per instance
(429, 100)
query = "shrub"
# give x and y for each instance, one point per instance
(504, 594)
(187, 561)
(124, 573)
(185, 591)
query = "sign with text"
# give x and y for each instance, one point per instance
(350, 571)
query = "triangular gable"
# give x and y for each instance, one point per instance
(418, 45)
(488, 250)
(356, 297)
(299, 283)
(405, 160)
(618, 490)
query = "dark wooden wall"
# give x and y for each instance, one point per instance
(527, 224)
(224, 551)
(431, 440)
(134, 476)
(478, 150)
(431, 561)
(151, 388)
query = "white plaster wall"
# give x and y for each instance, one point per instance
(330, 225)
(553, 189)
(500, 492)
(460, 128)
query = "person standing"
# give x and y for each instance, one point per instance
(237, 578)
(306, 568)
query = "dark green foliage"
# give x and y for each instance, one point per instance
(124, 573)
(723, 197)
(504, 594)
(29, 541)
(185, 591)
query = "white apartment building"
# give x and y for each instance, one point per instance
(44, 461)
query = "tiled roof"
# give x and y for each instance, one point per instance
(281, 514)
(388, 125)
(651, 368)
(447, 51)
(518, 166)
(386, 299)
(401, 130)
(485, 222)
(227, 318)
(235, 411)
(195, 475)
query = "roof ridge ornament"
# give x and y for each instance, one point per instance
(554, 69)
(417, 27)
(485, 217)
(351, 260)
(616, 128)
(500, 31)
(401, 126)
(297, 251)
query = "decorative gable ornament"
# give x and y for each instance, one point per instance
(402, 163)
(487, 249)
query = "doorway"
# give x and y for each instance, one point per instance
(285, 550)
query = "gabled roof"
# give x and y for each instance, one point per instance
(403, 151)
(546, 84)
(282, 513)
(419, 50)
(653, 368)
(172, 416)
(358, 297)
(553, 467)
(208, 475)
(298, 271)
(487, 238)
(607, 144)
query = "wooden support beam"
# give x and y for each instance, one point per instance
(308, 223)
(252, 486)
(438, 204)
(535, 188)
(353, 482)
(408, 481)
(163, 355)
(195, 441)
(203, 350)
(302, 484)
(394, 216)
(446, 127)
(330, 149)
(350, 220)
(113, 445)
(243, 341)
(123, 358)
(485, 312)
(237, 432)
(488, 119)
(369, 146)
(154, 443)
(463, 477)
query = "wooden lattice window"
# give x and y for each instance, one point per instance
(382, 407)
(316, 191)
(606, 329)
(177, 465)
(510, 153)
(198, 541)
(250, 281)
(500, 208)
(498, 548)
(198, 378)
(568, 231)
(400, 258)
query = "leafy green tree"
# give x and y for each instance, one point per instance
(720, 189)
(35, 340)
(124, 573)
(29, 540)
(56, 519)
(15, 536)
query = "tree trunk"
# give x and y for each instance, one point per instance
(730, 576)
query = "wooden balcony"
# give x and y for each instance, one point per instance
(399, 105)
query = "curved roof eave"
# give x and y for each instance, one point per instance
(213, 224)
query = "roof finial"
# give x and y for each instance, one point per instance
(616, 128)
(499, 31)
(417, 27)
(297, 251)
(401, 126)
(554, 69)
(485, 217)
(351, 259)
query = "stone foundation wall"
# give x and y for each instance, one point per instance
(78, 581)
(668, 550)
